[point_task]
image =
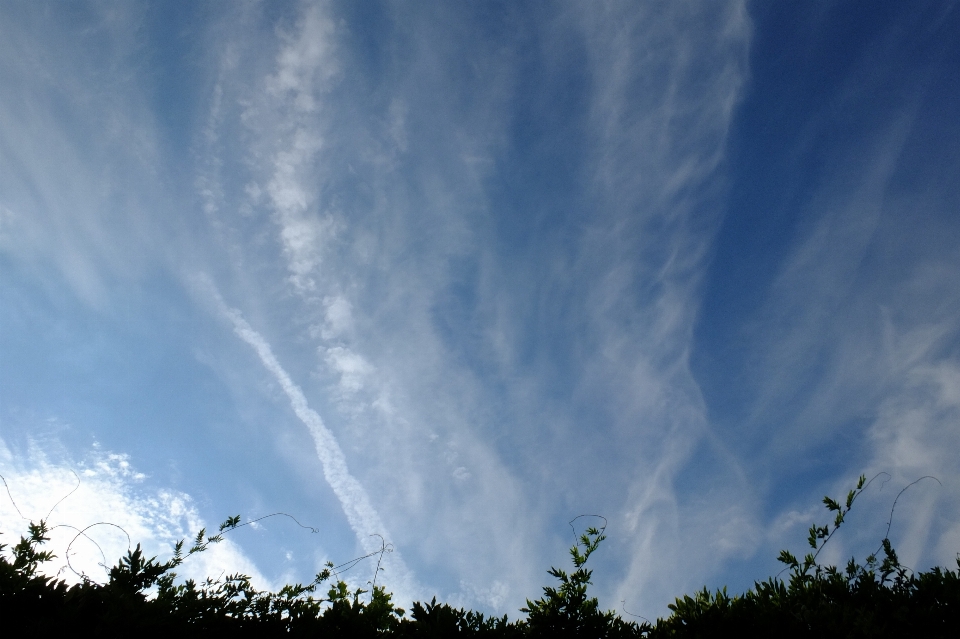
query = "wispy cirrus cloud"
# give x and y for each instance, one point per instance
(850, 356)
(70, 151)
(353, 293)
(486, 242)
(397, 258)
(666, 82)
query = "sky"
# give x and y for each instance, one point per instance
(446, 276)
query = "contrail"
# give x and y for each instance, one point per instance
(361, 515)
(363, 518)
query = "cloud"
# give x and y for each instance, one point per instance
(851, 361)
(665, 81)
(478, 380)
(480, 249)
(73, 153)
(107, 498)
(351, 367)
(362, 280)
(357, 507)
(306, 65)
(912, 437)
(818, 281)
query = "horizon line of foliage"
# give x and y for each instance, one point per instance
(142, 598)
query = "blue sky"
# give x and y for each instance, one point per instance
(457, 273)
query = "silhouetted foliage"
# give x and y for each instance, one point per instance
(143, 598)
(567, 611)
(879, 598)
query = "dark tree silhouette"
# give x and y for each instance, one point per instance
(142, 597)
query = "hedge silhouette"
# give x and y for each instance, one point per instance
(879, 598)
(143, 598)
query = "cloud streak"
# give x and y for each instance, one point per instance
(356, 504)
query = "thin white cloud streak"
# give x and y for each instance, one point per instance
(820, 277)
(357, 507)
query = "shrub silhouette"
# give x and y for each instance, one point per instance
(879, 598)
(567, 611)
(142, 598)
